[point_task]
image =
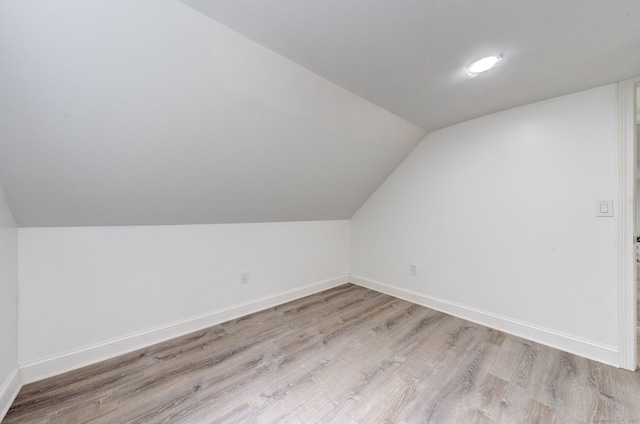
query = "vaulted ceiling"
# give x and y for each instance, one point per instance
(116, 112)
(409, 56)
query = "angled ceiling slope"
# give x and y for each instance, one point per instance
(149, 112)
(116, 112)
(409, 57)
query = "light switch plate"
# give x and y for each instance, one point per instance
(604, 208)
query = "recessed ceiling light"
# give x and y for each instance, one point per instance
(483, 65)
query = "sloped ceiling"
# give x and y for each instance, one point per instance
(409, 56)
(119, 112)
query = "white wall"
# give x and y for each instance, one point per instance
(89, 293)
(9, 380)
(499, 215)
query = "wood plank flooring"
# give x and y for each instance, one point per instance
(346, 355)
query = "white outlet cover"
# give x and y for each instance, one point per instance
(604, 208)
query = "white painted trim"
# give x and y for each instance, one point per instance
(556, 339)
(88, 355)
(8, 392)
(627, 164)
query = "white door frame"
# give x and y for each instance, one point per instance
(627, 164)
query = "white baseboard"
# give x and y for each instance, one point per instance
(68, 361)
(8, 392)
(586, 348)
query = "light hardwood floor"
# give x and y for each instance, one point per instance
(346, 355)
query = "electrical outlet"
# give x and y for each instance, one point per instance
(244, 277)
(413, 269)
